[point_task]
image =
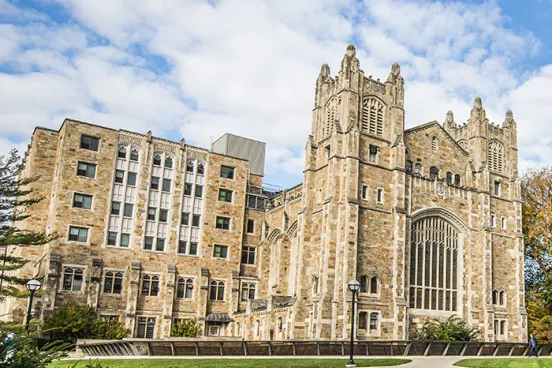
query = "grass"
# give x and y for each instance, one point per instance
(505, 363)
(232, 363)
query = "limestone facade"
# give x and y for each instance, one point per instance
(428, 219)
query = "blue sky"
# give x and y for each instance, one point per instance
(197, 69)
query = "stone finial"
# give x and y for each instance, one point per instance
(509, 119)
(477, 112)
(477, 103)
(148, 134)
(351, 50)
(325, 70)
(182, 143)
(450, 117)
(395, 72)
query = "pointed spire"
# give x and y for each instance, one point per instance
(351, 50)
(477, 103)
(325, 70)
(477, 112)
(449, 121)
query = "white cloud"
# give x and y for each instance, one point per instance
(248, 67)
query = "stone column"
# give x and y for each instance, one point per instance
(132, 297)
(51, 284)
(95, 282)
(203, 301)
(168, 301)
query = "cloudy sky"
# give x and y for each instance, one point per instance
(199, 68)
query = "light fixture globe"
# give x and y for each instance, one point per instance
(33, 285)
(354, 285)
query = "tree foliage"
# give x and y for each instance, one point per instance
(185, 328)
(451, 329)
(15, 199)
(71, 322)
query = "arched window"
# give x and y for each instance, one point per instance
(168, 162)
(200, 169)
(364, 284)
(496, 156)
(434, 265)
(434, 144)
(190, 166)
(314, 285)
(495, 296)
(157, 159)
(418, 169)
(248, 291)
(374, 285)
(433, 173)
(372, 116)
(134, 155)
(185, 288)
(122, 152)
(113, 283)
(449, 178)
(150, 285)
(217, 290)
(501, 297)
(280, 324)
(457, 180)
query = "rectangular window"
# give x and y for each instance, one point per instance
(225, 195)
(152, 211)
(185, 220)
(373, 322)
(128, 210)
(493, 220)
(251, 226)
(111, 238)
(503, 223)
(148, 243)
(193, 249)
(89, 143)
(196, 220)
(326, 153)
(187, 189)
(199, 191)
(373, 153)
(365, 192)
(166, 185)
(125, 240)
(119, 176)
(216, 291)
(497, 188)
(86, 169)
(131, 179)
(113, 282)
(380, 195)
(220, 251)
(163, 215)
(248, 255)
(227, 172)
(78, 234)
(223, 223)
(82, 201)
(146, 327)
(115, 208)
(182, 245)
(155, 183)
(160, 245)
(363, 321)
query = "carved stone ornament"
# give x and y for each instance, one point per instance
(157, 146)
(130, 139)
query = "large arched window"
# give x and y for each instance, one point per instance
(434, 265)
(372, 116)
(496, 156)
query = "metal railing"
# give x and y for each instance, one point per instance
(179, 347)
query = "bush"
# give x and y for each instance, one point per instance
(452, 329)
(185, 328)
(71, 322)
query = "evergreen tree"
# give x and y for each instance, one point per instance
(15, 199)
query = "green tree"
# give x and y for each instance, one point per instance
(451, 329)
(185, 328)
(15, 199)
(109, 330)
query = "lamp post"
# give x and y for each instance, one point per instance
(33, 286)
(354, 286)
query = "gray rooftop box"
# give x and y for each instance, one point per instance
(244, 148)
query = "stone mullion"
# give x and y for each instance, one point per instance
(168, 301)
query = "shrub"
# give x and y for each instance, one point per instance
(185, 328)
(71, 322)
(452, 329)
(24, 351)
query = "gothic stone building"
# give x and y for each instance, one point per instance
(428, 219)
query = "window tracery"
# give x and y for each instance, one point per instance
(372, 116)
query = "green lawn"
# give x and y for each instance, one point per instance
(234, 363)
(505, 363)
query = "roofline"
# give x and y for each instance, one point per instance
(435, 122)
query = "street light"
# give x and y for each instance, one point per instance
(354, 286)
(33, 286)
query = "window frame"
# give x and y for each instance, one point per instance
(248, 252)
(229, 169)
(64, 273)
(75, 194)
(250, 226)
(114, 278)
(218, 284)
(221, 247)
(93, 138)
(86, 171)
(223, 226)
(185, 281)
(153, 277)
(79, 228)
(226, 192)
